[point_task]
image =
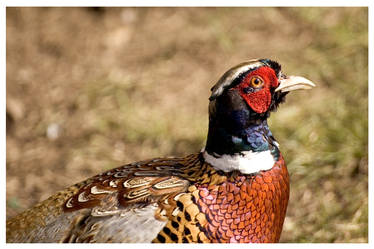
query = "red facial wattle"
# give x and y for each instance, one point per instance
(259, 100)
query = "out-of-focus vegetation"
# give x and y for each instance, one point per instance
(89, 89)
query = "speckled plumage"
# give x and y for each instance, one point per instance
(187, 199)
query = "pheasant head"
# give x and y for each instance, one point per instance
(240, 104)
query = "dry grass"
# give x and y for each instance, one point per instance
(91, 89)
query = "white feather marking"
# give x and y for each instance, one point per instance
(99, 212)
(121, 174)
(113, 184)
(163, 212)
(82, 197)
(175, 211)
(276, 144)
(68, 203)
(96, 191)
(248, 162)
(176, 198)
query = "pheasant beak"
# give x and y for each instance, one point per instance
(293, 83)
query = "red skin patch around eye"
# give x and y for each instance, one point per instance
(259, 101)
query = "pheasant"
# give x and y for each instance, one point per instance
(235, 190)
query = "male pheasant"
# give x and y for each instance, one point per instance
(235, 190)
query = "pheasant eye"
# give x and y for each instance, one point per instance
(256, 82)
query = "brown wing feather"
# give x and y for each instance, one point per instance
(137, 183)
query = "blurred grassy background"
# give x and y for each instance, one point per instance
(89, 89)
